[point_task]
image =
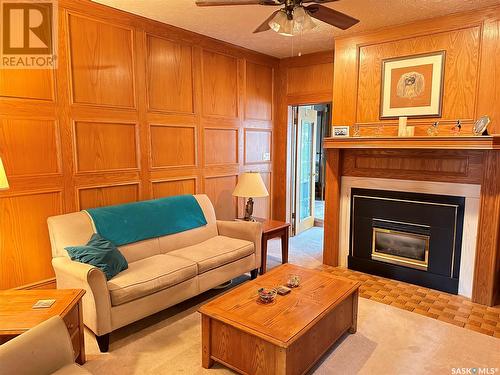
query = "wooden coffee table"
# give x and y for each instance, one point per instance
(286, 336)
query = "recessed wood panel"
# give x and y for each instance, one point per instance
(258, 146)
(170, 76)
(259, 92)
(107, 195)
(262, 206)
(220, 85)
(122, 118)
(27, 84)
(29, 147)
(309, 79)
(173, 146)
(25, 253)
(101, 63)
(105, 146)
(221, 146)
(437, 165)
(489, 84)
(460, 72)
(220, 190)
(174, 187)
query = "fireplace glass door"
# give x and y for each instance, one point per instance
(402, 248)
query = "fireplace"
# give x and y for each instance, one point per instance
(406, 236)
(392, 243)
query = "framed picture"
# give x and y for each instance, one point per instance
(340, 131)
(412, 86)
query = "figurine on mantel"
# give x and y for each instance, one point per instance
(433, 129)
(457, 128)
(481, 126)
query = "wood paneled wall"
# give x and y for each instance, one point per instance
(471, 75)
(471, 88)
(307, 79)
(136, 109)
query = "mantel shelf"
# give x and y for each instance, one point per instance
(429, 143)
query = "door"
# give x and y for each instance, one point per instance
(305, 168)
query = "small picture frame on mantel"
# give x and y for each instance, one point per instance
(340, 131)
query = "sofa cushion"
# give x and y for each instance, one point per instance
(149, 275)
(100, 253)
(215, 252)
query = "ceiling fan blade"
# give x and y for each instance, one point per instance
(331, 16)
(265, 25)
(205, 3)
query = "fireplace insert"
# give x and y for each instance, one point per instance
(410, 237)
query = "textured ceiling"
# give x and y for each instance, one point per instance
(234, 24)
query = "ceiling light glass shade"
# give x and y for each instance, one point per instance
(281, 24)
(301, 22)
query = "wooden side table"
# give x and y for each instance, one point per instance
(272, 229)
(17, 314)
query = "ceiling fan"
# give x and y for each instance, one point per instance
(294, 17)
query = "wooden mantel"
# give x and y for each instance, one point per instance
(455, 159)
(438, 143)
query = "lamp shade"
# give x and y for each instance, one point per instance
(250, 185)
(4, 184)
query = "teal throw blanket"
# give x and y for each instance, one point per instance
(132, 222)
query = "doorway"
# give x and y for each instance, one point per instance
(309, 126)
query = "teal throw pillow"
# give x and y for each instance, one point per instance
(101, 253)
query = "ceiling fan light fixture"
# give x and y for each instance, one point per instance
(302, 21)
(281, 24)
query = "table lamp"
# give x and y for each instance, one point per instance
(250, 185)
(4, 184)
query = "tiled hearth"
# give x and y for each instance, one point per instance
(446, 307)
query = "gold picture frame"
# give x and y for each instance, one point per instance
(412, 86)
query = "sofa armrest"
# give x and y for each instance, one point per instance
(244, 230)
(96, 301)
(44, 349)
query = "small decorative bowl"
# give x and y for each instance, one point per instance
(267, 295)
(293, 281)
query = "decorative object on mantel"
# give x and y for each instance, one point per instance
(250, 185)
(410, 131)
(457, 128)
(481, 126)
(356, 130)
(4, 183)
(340, 131)
(433, 129)
(412, 86)
(379, 130)
(402, 126)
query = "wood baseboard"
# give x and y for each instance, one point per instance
(42, 284)
(319, 223)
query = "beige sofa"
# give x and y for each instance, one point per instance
(44, 349)
(162, 271)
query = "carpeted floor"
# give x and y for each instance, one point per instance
(389, 340)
